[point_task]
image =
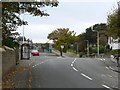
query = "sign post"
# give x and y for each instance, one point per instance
(61, 49)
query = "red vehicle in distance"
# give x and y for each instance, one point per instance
(35, 52)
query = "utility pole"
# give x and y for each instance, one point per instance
(98, 45)
(76, 47)
(61, 50)
(118, 4)
(87, 47)
(23, 30)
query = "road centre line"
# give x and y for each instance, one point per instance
(75, 69)
(104, 59)
(74, 60)
(107, 67)
(71, 65)
(86, 76)
(106, 86)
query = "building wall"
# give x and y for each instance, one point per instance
(8, 59)
(113, 43)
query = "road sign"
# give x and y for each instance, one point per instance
(62, 46)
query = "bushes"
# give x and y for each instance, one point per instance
(9, 42)
(113, 52)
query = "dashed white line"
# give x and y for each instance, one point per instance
(107, 67)
(38, 64)
(71, 65)
(110, 76)
(75, 69)
(103, 59)
(111, 67)
(106, 86)
(74, 61)
(86, 76)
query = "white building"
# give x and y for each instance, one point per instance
(114, 43)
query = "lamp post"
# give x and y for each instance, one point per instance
(77, 47)
(87, 47)
(23, 29)
(118, 4)
(98, 44)
(118, 13)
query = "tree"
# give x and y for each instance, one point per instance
(62, 36)
(82, 43)
(91, 36)
(102, 29)
(113, 22)
(11, 10)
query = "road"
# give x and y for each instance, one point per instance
(50, 71)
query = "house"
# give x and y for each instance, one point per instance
(114, 43)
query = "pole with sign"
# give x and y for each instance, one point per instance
(61, 49)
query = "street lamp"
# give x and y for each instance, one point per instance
(23, 29)
(118, 4)
(98, 45)
(77, 47)
(87, 47)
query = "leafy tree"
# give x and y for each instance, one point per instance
(82, 43)
(113, 22)
(91, 36)
(102, 29)
(11, 10)
(62, 36)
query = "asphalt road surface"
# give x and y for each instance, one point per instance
(50, 71)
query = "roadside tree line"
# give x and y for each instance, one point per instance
(78, 44)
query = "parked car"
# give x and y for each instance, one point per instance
(35, 52)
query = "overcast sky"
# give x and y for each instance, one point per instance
(76, 15)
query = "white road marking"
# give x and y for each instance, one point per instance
(107, 67)
(74, 60)
(104, 59)
(110, 76)
(71, 65)
(75, 69)
(106, 86)
(39, 64)
(111, 67)
(86, 76)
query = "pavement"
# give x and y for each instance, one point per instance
(20, 74)
(111, 64)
